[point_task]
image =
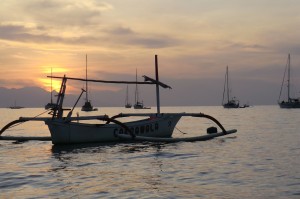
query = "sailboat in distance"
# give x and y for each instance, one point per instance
(50, 105)
(87, 105)
(138, 104)
(15, 106)
(230, 102)
(127, 104)
(290, 102)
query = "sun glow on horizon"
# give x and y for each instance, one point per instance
(52, 70)
(46, 84)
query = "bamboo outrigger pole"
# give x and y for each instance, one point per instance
(101, 81)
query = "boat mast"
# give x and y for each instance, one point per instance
(51, 87)
(289, 62)
(126, 101)
(58, 110)
(227, 78)
(86, 82)
(136, 99)
(157, 86)
(224, 90)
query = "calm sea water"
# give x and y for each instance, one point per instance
(262, 160)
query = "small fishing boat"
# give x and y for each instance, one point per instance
(245, 106)
(290, 102)
(156, 127)
(87, 104)
(230, 102)
(140, 105)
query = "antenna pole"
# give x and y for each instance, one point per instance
(157, 86)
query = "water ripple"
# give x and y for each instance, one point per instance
(260, 161)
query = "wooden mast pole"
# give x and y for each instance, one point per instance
(136, 96)
(51, 88)
(157, 86)
(227, 79)
(289, 75)
(86, 82)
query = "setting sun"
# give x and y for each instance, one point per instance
(55, 71)
(46, 83)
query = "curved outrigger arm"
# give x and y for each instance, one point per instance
(208, 117)
(210, 134)
(68, 119)
(22, 120)
(11, 124)
(178, 114)
(131, 135)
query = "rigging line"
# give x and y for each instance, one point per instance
(224, 90)
(283, 79)
(180, 130)
(25, 121)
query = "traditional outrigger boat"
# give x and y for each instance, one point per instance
(157, 127)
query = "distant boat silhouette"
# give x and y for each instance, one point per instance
(87, 105)
(231, 102)
(138, 104)
(290, 102)
(245, 106)
(15, 106)
(50, 105)
(127, 104)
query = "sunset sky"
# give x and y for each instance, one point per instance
(194, 39)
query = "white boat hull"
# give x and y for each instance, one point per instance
(72, 132)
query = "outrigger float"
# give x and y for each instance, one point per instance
(157, 127)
